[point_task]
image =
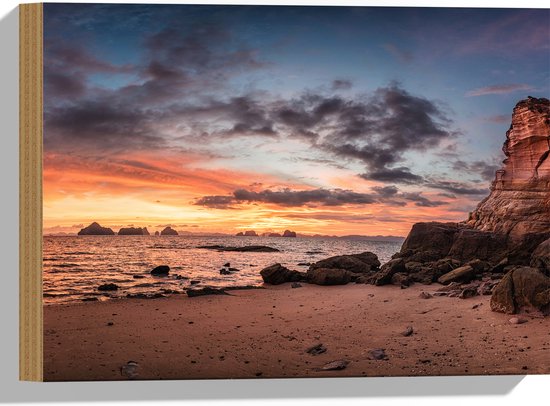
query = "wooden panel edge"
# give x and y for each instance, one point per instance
(30, 191)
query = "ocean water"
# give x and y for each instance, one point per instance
(75, 266)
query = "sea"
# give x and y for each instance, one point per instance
(74, 266)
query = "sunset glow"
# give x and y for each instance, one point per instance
(322, 121)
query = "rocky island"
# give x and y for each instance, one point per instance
(169, 231)
(96, 229)
(133, 231)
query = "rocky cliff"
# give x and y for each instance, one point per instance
(508, 233)
(519, 203)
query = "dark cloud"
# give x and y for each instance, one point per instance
(287, 197)
(376, 130)
(317, 197)
(458, 188)
(484, 170)
(399, 175)
(386, 191)
(215, 202)
(422, 201)
(99, 126)
(341, 84)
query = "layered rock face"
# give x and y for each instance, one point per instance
(519, 203)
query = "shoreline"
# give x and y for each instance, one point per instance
(234, 336)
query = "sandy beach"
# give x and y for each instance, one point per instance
(265, 333)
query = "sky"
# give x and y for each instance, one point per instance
(322, 120)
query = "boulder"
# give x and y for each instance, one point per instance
(157, 233)
(276, 274)
(522, 289)
(436, 238)
(160, 270)
(168, 231)
(541, 257)
(384, 276)
(329, 276)
(401, 279)
(463, 274)
(471, 244)
(96, 229)
(357, 263)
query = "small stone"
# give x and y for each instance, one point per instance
(317, 349)
(517, 320)
(378, 354)
(138, 276)
(425, 295)
(130, 370)
(295, 285)
(227, 265)
(335, 365)
(110, 323)
(408, 331)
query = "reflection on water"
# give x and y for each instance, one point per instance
(75, 266)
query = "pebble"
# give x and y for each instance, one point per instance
(517, 320)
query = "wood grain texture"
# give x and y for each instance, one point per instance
(30, 192)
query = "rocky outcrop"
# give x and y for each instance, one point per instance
(96, 229)
(519, 203)
(133, 231)
(288, 233)
(276, 274)
(168, 231)
(508, 225)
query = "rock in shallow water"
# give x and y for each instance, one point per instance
(160, 270)
(107, 287)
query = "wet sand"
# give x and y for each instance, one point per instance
(265, 333)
